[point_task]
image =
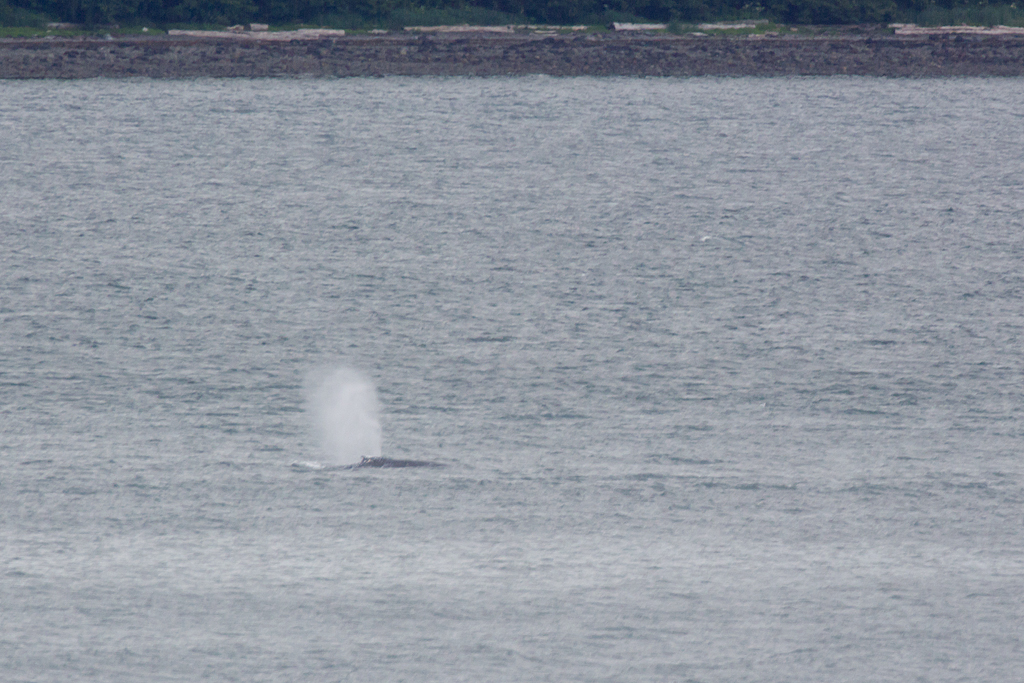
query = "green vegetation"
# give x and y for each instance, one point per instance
(365, 14)
(971, 14)
(19, 16)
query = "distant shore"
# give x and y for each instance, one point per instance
(180, 57)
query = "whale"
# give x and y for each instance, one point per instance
(381, 463)
(394, 462)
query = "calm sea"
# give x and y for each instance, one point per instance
(728, 376)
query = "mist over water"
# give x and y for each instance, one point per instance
(346, 415)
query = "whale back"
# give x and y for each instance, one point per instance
(393, 462)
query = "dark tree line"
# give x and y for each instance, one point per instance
(352, 12)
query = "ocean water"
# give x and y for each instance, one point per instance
(727, 376)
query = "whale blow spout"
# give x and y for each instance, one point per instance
(346, 414)
(391, 462)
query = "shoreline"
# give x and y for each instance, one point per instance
(178, 57)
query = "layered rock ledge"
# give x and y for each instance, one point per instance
(501, 55)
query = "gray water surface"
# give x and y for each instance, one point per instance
(728, 376)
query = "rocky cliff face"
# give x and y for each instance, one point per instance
(593, 55)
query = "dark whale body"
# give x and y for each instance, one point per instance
(392, 462)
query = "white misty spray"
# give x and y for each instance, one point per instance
(345, 411)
